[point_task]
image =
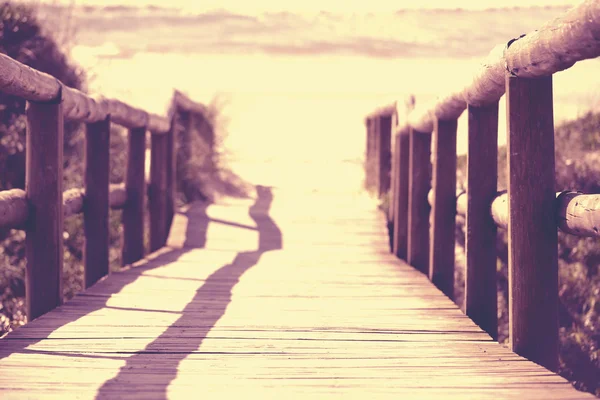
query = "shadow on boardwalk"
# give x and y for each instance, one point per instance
(157, 364)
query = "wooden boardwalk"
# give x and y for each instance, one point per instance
(284, 297)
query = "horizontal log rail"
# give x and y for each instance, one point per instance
(42, 206)
(577, 214)
(15, 213)
(531, 209)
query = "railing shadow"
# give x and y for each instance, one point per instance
(158, 363)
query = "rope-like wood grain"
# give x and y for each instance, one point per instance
(14, 207)
(557, 45)
(577, 214)
(554, 47)
(22, 81)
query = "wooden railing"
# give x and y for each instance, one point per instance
(531, 209)
(41, 207)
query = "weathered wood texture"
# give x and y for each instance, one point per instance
(557, 45)
(421, 119)
(43, 185)
(384, 111)
(97, 201)
(14, 209)
(133, 213)
(157, 193)
(117, 196)
(20, 80)
(533, 259)
(376, 155)
(393, 177)
(171, 173)
(73, 201)
(401, 198)
(443, 211)
(78, 106)
(577, 214)
(158, 125)
(384, 154)
(554, 47)
(369, 156)
(480, 246)
(331, 314)
(418, 206)
(123, 114)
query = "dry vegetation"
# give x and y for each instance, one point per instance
(201, 174)
(577, 168)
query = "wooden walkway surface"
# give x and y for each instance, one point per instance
(284, 297)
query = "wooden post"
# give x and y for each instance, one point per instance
(133, 213)
(532, 227)
(393, 174)
(369, 156)
(385, 156)
(482, 185)
(96, 206)
(418, 206)
(157, 193)
(376, 154)
(171, 174)
(401, 196)
(441, 253)
(43, 184)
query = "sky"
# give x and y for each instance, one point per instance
(357, 6)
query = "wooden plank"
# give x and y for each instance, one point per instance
(157, 193)
(133, 213)
(480, 253)
(401, 198)
(367, 326)
(96, 209)
(443, 211)
(532, 229)
(385, 155)
(43, 184)
(418, 206)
